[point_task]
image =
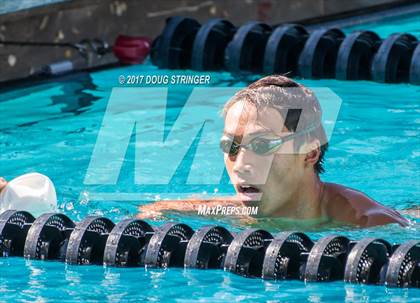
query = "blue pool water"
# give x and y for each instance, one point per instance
(385, 27)
(52, 128)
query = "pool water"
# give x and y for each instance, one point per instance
(390, 25)
(52, 127)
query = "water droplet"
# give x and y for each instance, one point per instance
(84, 198)
(69, 206)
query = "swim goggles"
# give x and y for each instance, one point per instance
(260, 146)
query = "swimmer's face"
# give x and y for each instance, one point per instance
(269, 179)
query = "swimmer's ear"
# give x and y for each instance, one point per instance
(313, 152)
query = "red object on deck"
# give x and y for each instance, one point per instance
(131, 50)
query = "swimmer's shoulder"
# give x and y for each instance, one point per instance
(352, 206)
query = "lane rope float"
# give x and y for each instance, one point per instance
(392, 61)
(127, 242)
(87, 241)
(207, 248)
(245, 53)
(355, 55)
(245, 254)
(415, 66)
(319, 55)
(168, 245)
(210, 43)
(172, 49)
(48, 237)
(327, 259)
(404, 266)
(283, 48)
(286, 255)
(367, 261)
(14, 227)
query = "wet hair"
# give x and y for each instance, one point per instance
(289, 98)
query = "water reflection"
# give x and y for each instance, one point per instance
(75, 97)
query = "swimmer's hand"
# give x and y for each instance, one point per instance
(156, 209)
(412, 212)
(3, 184)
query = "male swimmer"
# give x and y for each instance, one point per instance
(261, 141)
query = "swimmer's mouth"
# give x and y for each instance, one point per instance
(248, 193)
(248, 189)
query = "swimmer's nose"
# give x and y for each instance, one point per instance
(242, 167)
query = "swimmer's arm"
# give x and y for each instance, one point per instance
(3, 184)
(384, 216)
(189, 205)
(373, 217)
(412, 212)
(356, 208)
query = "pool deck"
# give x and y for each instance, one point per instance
(73, 21)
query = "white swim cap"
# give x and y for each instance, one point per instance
(33, 192)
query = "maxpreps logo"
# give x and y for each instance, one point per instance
(168, 141)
